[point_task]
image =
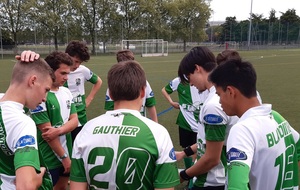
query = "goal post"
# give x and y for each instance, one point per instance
(147, 47)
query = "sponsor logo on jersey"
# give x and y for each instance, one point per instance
(91, 73)
(37, 109)
(3, 144)
(25, 141)
(236, 154)
(151, 93)
(172, 154)
(171, 84)
(213, 119)
(107, 98)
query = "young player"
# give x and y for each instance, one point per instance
(124, 150)
(19, 158)
(189, 103)
(210, 167)
(262, 147)
(56, 118)
(80, 74)
(229, 54)
(149, 99)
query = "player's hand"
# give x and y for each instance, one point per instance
(179, 155)
(175, 105)
(67, 164)
(50, 133)
(28, 56)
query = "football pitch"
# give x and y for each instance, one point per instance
(278, 82)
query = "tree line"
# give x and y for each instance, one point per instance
(109, 21)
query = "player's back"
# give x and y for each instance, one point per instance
(126, 150)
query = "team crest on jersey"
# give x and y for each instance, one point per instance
(236, 154)
(213, 119)
(37, 109)
(68, 102)
(78, 81)
(151, 93)
(25, 141)
(172, 154)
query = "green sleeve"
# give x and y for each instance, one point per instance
(77, 171)
(238, 176)
(215, 132)
(109, 105)
(168, 89)
(73, 109)
(150, 102)
(93, 79)
(298, 149)
(40, 118)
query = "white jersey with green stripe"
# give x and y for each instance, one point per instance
(123, 150)
(215, 126)
(262, 150)
(148, 100)
(56, 110)
(75, 83)
(18, 143)
(190, 102)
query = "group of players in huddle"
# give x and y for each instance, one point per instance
(230, 139)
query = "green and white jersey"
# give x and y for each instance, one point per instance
(124, 150)
(215, 126)
(18, 143)
(56, 110)
(148, 100)
(190, 102)
(262, 151)
(75, 83)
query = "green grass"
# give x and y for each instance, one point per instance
(278, 82)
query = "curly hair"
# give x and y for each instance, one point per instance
(78, 49)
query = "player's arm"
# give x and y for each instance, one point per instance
(169, 99)
(210, 159)
(51, 133)
(78, 185)
(28, 179)
(152, 113)
(187, 152)
(57, 147)
(93, 91)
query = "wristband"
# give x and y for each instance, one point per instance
(184, 175)
(188, 151)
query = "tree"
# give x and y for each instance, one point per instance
(13, 15)
(50, 14)
(188, 20)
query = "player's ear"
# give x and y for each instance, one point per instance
(31, 80)
(143, 92)
(231, 90)
(110, 95)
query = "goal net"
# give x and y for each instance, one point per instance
(147, 47)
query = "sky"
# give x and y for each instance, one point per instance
(241, 8)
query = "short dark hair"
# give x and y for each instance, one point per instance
(198, 55)
(226, 55)
(236, 73)
(56, 58)
(124, 55)
(125, 80)
(78, 49)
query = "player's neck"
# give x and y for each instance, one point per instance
(16, 94)
(124, 104)
(247, 104)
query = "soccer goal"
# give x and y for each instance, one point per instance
(147, 47)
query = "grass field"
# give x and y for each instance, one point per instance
(277, 70)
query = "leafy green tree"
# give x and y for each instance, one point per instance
(13, 16)
(188, 20)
